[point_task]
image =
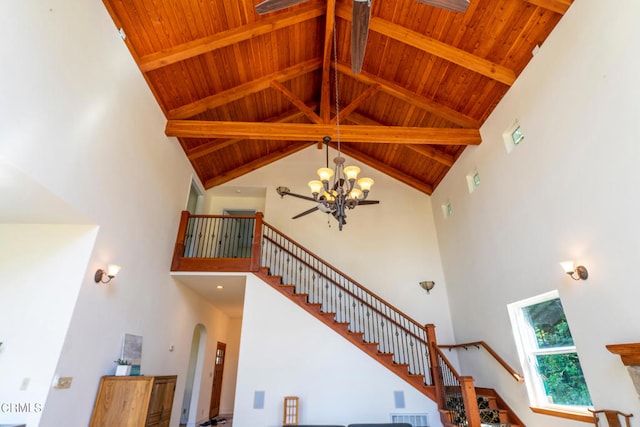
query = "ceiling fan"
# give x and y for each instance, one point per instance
(320, 206)
(340, 194)
(360, 21)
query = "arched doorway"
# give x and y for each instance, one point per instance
(189, 409)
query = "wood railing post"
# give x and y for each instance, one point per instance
(436, 373)
(257, 239)
(178, 249)
(470, 401)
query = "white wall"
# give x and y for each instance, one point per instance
(79, 121)
(285, 351)
(230, 374)
(567, 192)
(388, 248)
(41, 268)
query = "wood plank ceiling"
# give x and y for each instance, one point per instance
(241, 90)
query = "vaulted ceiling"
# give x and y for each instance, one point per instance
(241, 90)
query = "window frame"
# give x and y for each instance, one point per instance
(528, 351)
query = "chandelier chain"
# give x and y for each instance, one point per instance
(335, 73)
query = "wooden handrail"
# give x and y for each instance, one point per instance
(347, 291)
(348, 278)
(446, 361)
(495, 355)
(467, 389)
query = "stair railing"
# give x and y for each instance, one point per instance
(477, 344)
(337, 293)
(217, 243)
(221, 243)
(456, 393)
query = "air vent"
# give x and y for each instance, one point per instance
(416, 420)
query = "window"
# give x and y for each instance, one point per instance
(550, 361)
(447, 210)
(517, 136)
(513, 136)
(473, 181)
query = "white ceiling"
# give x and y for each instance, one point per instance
(229, 299)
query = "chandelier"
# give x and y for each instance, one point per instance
(336, 189)
(341, 193)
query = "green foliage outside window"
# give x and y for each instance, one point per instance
(549, 323)
(561, 373)
(563, 379)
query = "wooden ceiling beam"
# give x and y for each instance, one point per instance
(325, 89)
(425, 150)
(344, 113)
(239, 92)
(433, 153)
(216, 145)
(434, 47)
(442, 50)
(203, 45)
(299, 104)
(412, 98)
(558, 6)
(313, 132)
(388, 170)
(256, 164)
(359, 119)
(210, 148)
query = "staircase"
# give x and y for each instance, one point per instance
(387, 359)
(490, 407)
(396, 341)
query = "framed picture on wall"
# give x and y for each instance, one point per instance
(132, 352)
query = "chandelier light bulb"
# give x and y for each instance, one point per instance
(330, 196)
(325, 174)
(365, 184)
(355, 194)
(315, 187)
(351, 172)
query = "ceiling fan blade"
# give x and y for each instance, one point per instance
(307, 212)
(359, 33)
(453, 5)
(368, 202)
(284, 191)
(272, 5)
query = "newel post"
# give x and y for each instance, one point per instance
(470, 401)
(436, 373)
(255, 247)
(178, 250)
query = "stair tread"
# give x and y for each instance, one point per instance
(494, 416)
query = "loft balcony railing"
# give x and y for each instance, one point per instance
(247, 243)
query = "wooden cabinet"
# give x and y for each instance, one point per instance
(134, 401)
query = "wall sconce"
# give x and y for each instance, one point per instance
(572, 271)
(427, 285)
(110, 273)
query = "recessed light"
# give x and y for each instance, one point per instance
(220, 287)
